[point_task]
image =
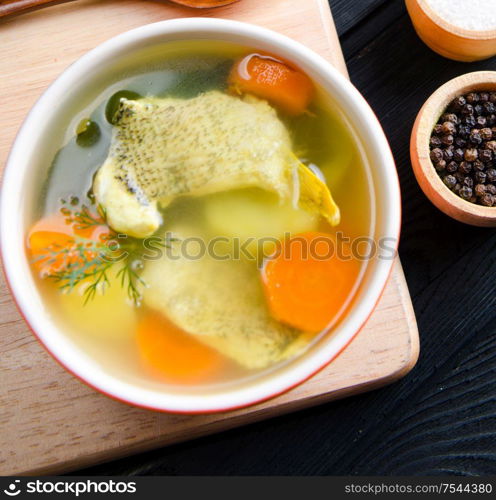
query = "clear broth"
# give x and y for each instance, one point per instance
(323, 138)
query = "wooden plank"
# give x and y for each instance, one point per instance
(50, 422)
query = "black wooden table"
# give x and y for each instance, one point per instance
(440, 419)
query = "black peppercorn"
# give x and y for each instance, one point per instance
(448, 140)
(458, 154)
(471, 154)
(450, 117)
(486, 134)
(481, 121)
(435, 141)
(450, 181)
(491, 175)
(475, 137)
(436, 155)
(491, 145)
(458, 103)
(478, 109)
(465, 167)
(466, 192)
(448, 128)
(469, 120)
(463, 147)
(440, 166)
(448, 153)
(464, 131)
(452, 167)
(489, 107)
(438, 129)
(467, 110)
(485, 155)
(480, 190)
(480, 177)
(487, 200)
(478, 165)
(473, 98)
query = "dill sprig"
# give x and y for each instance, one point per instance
(89, 260)
(131, 280)
(84, 219)
(101, 278)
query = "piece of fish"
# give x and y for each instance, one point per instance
(162, 148)
(221, 303)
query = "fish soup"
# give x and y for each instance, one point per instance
(195, 227)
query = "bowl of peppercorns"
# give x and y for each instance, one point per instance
(453, 148)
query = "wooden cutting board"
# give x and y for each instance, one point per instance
(49, 421)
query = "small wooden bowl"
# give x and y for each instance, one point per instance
(203, 4)
(429, 180)
(447, 39)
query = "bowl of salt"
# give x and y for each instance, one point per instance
(463, 30)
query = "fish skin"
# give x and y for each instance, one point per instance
(222, 304)
(162, 148)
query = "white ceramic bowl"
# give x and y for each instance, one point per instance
(24, 171)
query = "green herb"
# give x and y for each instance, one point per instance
(90, 260)
(84, 219)
(131, 280)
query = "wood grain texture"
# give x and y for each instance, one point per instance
(204, 4)
(12, 8)
(441, 419)
(48, 420)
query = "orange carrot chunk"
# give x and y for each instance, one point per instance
(307, 282)
(266, 77)
(45, 249)
(173, 354)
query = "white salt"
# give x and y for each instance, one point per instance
(474, 15)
